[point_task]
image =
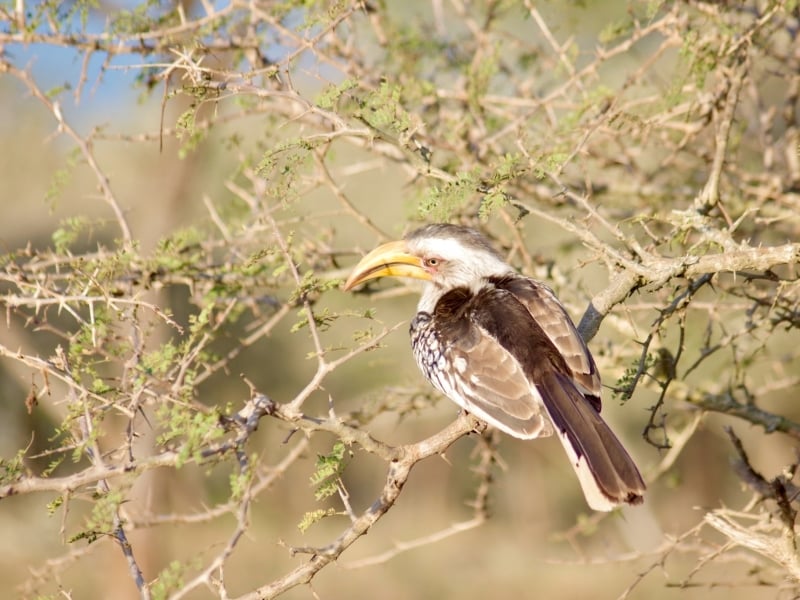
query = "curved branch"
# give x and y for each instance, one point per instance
(726, 404)
(661, 270)
(396, 478)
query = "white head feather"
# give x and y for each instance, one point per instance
(464, 258)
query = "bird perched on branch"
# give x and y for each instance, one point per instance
(502, 346)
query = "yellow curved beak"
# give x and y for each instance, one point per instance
(387, 260)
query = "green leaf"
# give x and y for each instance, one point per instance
(329, 468)
(314, 516)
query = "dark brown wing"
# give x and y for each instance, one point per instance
(512, 355)
(552, 318)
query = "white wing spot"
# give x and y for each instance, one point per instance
(460, 364)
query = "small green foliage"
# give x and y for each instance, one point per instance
(54, 505)
(256, 262)
(625, 386)
(311, 283)
(547, 162)
(314, 516)
(71, 229)
(279, 270)
(384, 109)
(199, 321)
(92, 334)
(240, 481)
(510, 167)
(616, 30)
(99, 386)
(161, 360)
(172, 578)
(440, 203)
(362, 335)
(479, 78)
(13, 469)
(490, 202)
(282, 166)
(52, 466)
(699, 57)
(326, 478)
(56, 91)
(101, 520)
(554, 161)
(322, 319)
(78, 452)
(142, 18)
(188, 426)
(191, 135)
(82, 8)
(180, 250)
(330, 96)
(90, 347)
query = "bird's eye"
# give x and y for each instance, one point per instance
(433, 261)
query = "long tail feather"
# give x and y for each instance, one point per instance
(606, 471)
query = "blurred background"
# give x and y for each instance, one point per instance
(160, 163)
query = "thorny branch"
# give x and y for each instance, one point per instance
(397, 475)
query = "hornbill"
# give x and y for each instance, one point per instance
(502, 347)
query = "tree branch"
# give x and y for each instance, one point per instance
(396, 477)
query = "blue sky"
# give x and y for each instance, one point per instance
(106, 91)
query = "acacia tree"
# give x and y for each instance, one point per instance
(177, 349)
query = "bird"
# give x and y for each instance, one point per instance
(503, 347)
